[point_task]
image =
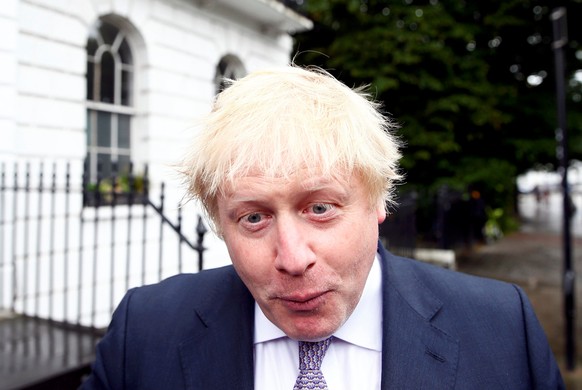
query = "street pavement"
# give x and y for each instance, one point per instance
(533, 258)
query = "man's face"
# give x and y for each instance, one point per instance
(303, 246)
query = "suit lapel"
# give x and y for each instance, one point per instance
(220, 354)
(415, 353)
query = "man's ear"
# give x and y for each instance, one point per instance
(381, 211)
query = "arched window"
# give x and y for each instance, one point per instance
(109, 101)
(229, 67)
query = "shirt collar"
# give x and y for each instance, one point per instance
(363, 328)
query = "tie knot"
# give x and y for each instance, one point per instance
(311, 354)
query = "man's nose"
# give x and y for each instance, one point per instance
(294, 253)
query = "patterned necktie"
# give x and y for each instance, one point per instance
(310, 357)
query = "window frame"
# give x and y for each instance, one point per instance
(123, 102)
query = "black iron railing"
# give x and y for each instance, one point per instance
(69, 249)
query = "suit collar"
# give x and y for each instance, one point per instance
(415, 352)
(404, 282)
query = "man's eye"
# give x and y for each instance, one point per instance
(320, 208)
(254, 218)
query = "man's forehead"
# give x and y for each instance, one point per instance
(301, 179)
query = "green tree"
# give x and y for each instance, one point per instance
(470, 82)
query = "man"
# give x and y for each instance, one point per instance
(295, 169)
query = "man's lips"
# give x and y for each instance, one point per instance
(304, 302)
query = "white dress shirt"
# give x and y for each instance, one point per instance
(353, 360)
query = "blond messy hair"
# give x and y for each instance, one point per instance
(276, 121)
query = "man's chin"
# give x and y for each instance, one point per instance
(308, 330)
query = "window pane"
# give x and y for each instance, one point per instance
(107, 77)
(220, 74)
(126, 87)
(104, 165)
(222, 66)
(229, 67)
(104, 129)
(123, 138)
(89, 127)
(125, 53)
(123, 165)
(90, 80)
(92, 46)
(108, 32)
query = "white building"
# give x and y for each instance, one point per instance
(167, 53)
(110, 81)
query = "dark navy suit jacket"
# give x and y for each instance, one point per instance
(442, 330)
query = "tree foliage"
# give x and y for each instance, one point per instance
(470, 82)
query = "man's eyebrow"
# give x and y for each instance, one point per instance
(239, 197)
(320, 184)
(328, 192)
(304, 187)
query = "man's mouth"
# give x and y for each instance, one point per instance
(304, 303)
